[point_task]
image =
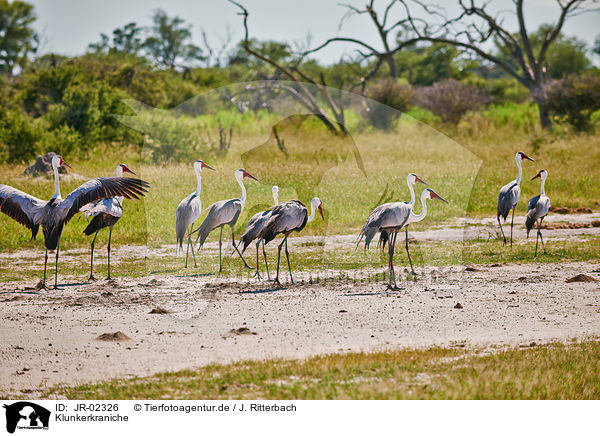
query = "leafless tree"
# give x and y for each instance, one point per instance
(300, 92)
(475, 27)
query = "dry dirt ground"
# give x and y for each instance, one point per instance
(53, 337)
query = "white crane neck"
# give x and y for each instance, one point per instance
(312, 213)
(243, 197)
(520, 173)
(542, 190)
(410, 183)
(416, 218)
(56, 181)
(198, 180)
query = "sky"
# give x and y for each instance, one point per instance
(68, 26)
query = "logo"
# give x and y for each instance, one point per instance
(26, 415)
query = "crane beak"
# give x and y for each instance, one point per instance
(247, 174)
(207, 166)
(436, 196)
(524, 156)
(63, 163)
(320, 209)
(417, 180)
(127, 170)
(537, 175)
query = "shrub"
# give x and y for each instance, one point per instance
(19, 136)
(451, 100)
(574, 99)
(390, 94)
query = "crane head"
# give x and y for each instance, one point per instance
(126, 169)
(524, 156)
(204, 165)
(61, 162)
(542, 174)
(435, 196)
(247, 174)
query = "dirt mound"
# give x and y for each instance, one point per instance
(159, 311)
(566, 210)
(581, 278)
(42, 166)
(555, 226)
(113, 337)
(240, 332)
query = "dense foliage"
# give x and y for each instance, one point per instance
(68, 105)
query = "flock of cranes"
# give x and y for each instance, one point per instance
(101, 199)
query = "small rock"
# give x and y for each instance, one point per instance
(343, 311)
(458, 306)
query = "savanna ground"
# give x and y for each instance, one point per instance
(521, 331)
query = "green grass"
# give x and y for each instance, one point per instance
(468, 173)
(554, 371)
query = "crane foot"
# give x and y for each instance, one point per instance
(91, 278)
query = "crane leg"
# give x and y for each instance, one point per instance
(257, 274)
(192, 247)
(541, 237)
(238, 251)
(408, 252)
(265, 256)
(511, 226)
(278, 258)
(220, 243)
(287, 256)
(501, 229)
(108, 252)
(45, 267)
(391, 242)
(56, 267)
(187, 251)
(91, 277)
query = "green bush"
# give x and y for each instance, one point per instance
(19, 136)
(394, 98)
(574, 99)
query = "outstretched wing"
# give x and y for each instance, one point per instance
(21, 207)
(102, 187)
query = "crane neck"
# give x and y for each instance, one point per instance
(56, 182)
(120, 174)
(312, 213)
(416, 218)
(520, 173)
(198, 180)
(243, 197)
(276, 198)
(542, 190)
(411, 188)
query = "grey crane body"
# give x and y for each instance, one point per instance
(54, 214)
(286, 218)
(222, 213)
(388, 219)
(188, 211)
(509, 195)
(104, 213)
(537, 209)
(254, 228)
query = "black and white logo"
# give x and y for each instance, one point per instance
(26, 415)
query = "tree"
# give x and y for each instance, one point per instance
(385, 28)
(474, 27)
(290, 69)
(17, 37)
(126, 39)
(169, 45)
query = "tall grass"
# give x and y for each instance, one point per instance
(467, 170)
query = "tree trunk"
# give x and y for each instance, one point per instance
(545, 119)
(392, 65)
(540, 96)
